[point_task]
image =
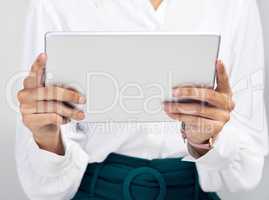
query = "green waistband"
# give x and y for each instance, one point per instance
(126, 178)
(167, 164)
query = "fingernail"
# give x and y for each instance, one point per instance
(82, 99)
(219, 66)
(41, 57)
(81, 115)
(175, 92)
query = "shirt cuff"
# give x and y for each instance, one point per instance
(50, 164)
(224, 150)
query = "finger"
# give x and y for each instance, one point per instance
(39, 63)
(197, 128)
(195, 124)
(223, 84)
(199, 136)
(39, 120)
(198, 110)
(33, 81)
(52, 107)
(50, 93)
(65, 86)
(202, 132)
(209, 96)
(187, 119)
(35, 77)
(191, 86)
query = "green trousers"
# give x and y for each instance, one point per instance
(127, 178)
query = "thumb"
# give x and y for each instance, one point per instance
(35, 77)
(223, 84)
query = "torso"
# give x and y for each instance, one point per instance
(214, 16)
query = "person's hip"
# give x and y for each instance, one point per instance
(128, 178)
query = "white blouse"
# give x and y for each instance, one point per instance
(235, 162)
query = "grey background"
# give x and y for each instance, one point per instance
(11, 14)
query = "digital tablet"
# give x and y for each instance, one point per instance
(127, 75)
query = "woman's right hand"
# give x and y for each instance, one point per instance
(45, 108)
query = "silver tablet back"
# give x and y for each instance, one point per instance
(127, 76)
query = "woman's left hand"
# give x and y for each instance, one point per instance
(203, 120)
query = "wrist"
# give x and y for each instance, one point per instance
(199, 149)
(53, 144)
(196, 152)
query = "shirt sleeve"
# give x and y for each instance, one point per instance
(237, 159)
(45, 175)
